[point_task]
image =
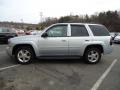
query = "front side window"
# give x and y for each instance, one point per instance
(57, 31)
(78, 30)
(99, 30)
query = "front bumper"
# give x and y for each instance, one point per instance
(3, 39)
(108, 49)
(117, 41)
(9, 51)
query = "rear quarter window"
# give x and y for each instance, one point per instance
(99, 30)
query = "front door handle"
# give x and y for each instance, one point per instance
(63, 40)
(87, 40)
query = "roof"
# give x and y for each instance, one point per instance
(79, 23)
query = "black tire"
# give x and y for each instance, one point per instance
(27, 48)
(87, 58)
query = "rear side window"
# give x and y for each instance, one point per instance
(78, 30)
(99, 30)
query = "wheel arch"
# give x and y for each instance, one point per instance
(22, 45)
(98, 46)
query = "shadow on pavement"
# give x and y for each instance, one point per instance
(58, 61)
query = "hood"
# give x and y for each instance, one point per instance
(117, 38)
(25, 38)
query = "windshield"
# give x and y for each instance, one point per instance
(0, 30)
(4, 30)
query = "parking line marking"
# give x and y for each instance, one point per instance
(99, 81)
(8, 67)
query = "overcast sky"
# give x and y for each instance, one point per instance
(29, 10)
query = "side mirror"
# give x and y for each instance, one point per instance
(44, 35)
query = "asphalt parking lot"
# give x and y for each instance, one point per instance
(60, 74)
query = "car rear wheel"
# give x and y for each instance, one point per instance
(92, 55)
(24, 55)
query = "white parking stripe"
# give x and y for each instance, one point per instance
(99, 81)
(9, 67)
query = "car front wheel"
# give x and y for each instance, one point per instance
(92, 55)
(24, 55)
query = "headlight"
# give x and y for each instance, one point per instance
(9, 41)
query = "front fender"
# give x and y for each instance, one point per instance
(33, 44)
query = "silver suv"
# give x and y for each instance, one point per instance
(63, 40)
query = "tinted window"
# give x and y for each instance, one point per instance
(78, 30)
(99, 30)
(57, 31)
